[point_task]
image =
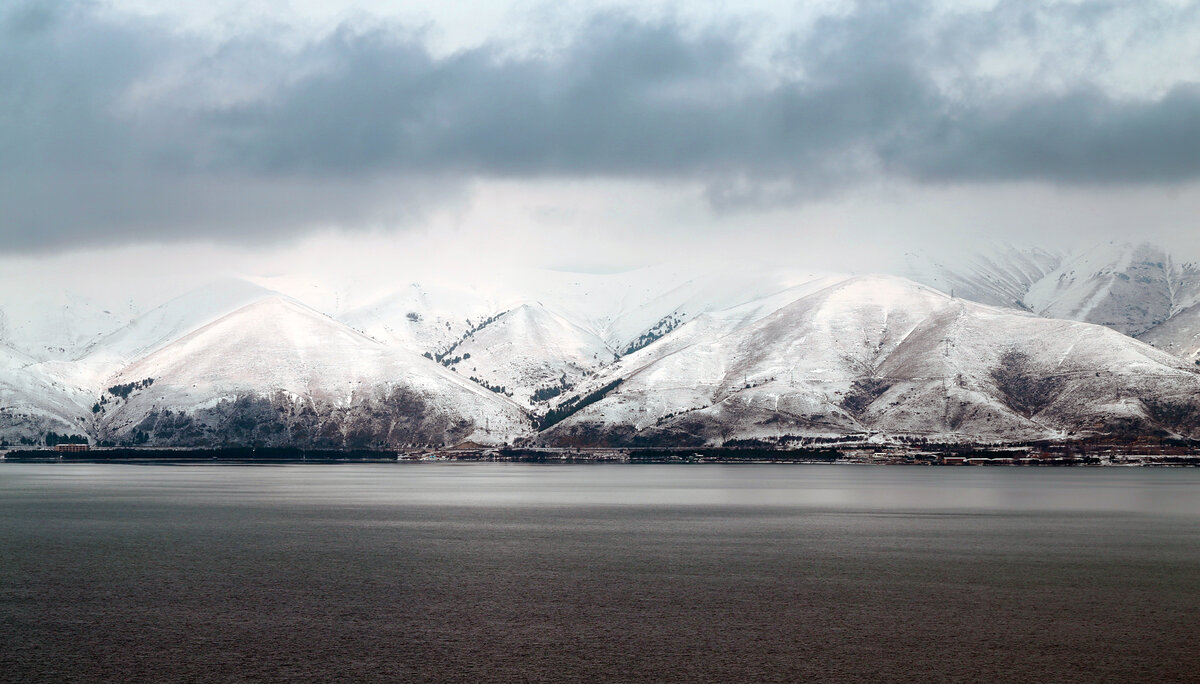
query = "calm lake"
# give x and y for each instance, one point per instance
(514, 572)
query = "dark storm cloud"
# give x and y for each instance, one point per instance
(1079, 137)
(118, 129)
(627, 98)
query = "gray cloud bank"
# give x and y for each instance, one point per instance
(114, 128)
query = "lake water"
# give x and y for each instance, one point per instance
(513, 572)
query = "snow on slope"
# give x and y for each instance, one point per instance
(421, 318)
(1009, 376)
(435, 316)
(707, 328)
(528, 349)
(162, 325)
(716, 351)
(882, 354)
(1130, 288)
(276, 371)
(612, 306)
(813, 346)
(48, 323)
(629, 310)
(1001, 276)
(33, 402)
(716, 324)
(625, 310)
(1178, 335)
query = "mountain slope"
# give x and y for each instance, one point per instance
(1134, 289)
(164, 324)
(1001, 276)
(677, 356)
(884, 355)
(1178, 335)
(421, 318)
(34, 401)
(277, 372)
(47, 323)
(531, 352)
(1130, 288)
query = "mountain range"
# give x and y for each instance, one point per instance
(1009, 345)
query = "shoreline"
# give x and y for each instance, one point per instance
(1069, 455)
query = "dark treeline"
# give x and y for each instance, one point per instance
(1052, 454)
(53, 438)
(734, 455)
(222, 454)
(572, 406)
(124, 390)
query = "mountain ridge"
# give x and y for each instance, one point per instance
(676, 355)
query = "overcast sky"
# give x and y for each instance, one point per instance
(594, 135)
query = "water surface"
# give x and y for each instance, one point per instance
(516, 572)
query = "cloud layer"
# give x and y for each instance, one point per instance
(118, 128)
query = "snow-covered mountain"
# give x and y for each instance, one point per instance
(47, 323)
(530, 354)
(1128, 287)
(162, 325)
(1178, 335)
(278, 372)
(1001, 276)
(697, 353)
(421, 318)
(34, 401)
(881, 354)
(538, 333)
